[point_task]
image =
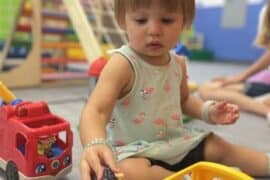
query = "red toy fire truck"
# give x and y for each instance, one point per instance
(34, 143)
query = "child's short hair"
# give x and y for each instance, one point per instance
(187, 7)
(263, 36)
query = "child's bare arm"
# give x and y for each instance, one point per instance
(216, 113)
(113, 82)
(191, 105)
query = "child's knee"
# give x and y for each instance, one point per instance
(216, 148)
(133, 166)
(126, 166)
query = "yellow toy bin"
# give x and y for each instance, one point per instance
(209, 171)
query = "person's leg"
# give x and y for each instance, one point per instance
(140, 168)
(249, 161)
(233, 94)
(237, 87)
(266, 101)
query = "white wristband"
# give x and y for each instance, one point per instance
(98, 141)
(205, 111)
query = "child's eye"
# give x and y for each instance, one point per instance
(167, 20)
(141, 21)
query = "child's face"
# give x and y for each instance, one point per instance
(153, 31)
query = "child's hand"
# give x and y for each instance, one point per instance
(93, 160)
(223, 113)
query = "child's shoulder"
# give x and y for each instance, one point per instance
(180, 59)
(117, 56)
(118, 61)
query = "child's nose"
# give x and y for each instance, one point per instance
(155, 29)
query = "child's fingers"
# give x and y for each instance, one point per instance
(232, 108)
(230, 119)
(96, 166)
(234, 118)
(85, 170)
(110, 160)
(220, 106)
(93, 162)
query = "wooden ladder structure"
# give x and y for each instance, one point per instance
(92, 34)
(93, 23)
(27, 73)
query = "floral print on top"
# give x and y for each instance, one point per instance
(147, 122)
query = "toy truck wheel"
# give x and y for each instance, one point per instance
(11, 171)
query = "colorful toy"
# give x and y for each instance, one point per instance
(181, 49)
(94, 71)
(34, 142)
(45, 145)
(5, 94)
(192, 86)
(108, 174)
(209, 171)
(7, 97)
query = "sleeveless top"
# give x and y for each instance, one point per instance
(147, 122)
